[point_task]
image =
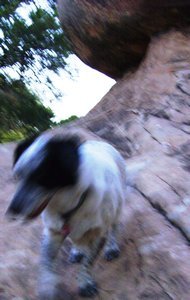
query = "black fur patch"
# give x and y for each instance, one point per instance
(59, 166)
(21, 147)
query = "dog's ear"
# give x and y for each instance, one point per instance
(59, 166)
(21, 147)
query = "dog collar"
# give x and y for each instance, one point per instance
(69, 214)
(65, 230)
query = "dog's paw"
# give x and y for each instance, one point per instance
(111, 253)
(88, 290)
(75, 256)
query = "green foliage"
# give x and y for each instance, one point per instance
(11, 135)
(21, 112)
(39, 38)
(70, 119)
(33, 42)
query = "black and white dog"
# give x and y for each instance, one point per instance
(78, 182)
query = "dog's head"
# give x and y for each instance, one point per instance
(42, 166)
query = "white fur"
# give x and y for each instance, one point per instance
(99, 169)
(102, 172)
(29, 161)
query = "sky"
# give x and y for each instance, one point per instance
(79, 86)
(80, 92)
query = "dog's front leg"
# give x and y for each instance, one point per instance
(91, 242)
(76, 254)
(48, 280)
(112, 249)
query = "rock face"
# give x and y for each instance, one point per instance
(146, 116)
(113, 36)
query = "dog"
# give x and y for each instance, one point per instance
(77, 181)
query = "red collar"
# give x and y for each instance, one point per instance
(65, 230)
(68, 215)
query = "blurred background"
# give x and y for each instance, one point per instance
(42, 83)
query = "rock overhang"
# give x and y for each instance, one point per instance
(113, 36)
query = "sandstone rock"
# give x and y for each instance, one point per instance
(113, 36)
(146, 116)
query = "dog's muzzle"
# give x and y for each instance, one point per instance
(28, 202)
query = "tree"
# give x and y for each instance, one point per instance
(36, 41)
(21, 111)
(32, 40)
(70, 119)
